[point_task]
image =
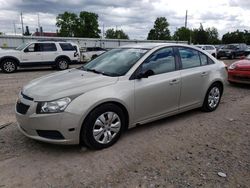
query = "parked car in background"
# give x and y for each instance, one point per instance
(232, 51)
(209, 48)
(91, 53)
(120, 89)
(41, 53)
(239, 71)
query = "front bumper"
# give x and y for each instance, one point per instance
(238, 76)
(65, 124)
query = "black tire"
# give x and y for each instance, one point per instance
(9, 65)
(87, 132)
(207, 107)
(93, 57)
(62, 63)
(232, 56)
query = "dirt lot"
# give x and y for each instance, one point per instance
(187, 150)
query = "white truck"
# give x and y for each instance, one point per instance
(41, 53)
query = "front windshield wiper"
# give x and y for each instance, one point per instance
(98, 72)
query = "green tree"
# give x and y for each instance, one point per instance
(235, 37)
(183, 34)
(213, 35)
(68, 24)
(160, 30)
(200, 36)
(88, 25)
(84, 25)
(116, 34)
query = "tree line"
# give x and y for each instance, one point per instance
(86, 25)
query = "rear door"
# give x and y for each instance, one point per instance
(195, 73)
(158, 94)
(49, 52)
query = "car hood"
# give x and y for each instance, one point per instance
(71, 82)
(243, 64)
(225, 50)
(9, 51)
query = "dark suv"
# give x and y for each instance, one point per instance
(232, 50)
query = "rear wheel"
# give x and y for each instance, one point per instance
(9, 66)
(103, 126)
(94, 56)
(62, 63)
(212, 99)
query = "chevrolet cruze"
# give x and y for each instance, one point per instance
(122, 88)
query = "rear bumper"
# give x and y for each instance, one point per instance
(239, 76)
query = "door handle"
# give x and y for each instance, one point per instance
(203, 73)
(174, 81)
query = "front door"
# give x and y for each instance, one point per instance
(159, 93)
(32, 54)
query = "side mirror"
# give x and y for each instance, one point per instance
(145, 74)
(26, 50)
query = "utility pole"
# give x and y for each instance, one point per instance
(38, 22)
(186, 19)
(22, 23)
(103, 31)
(14, 24)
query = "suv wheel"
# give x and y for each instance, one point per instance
(9, 66)
(212, 99)
(103, 126)
(93, 57)
(62, 63)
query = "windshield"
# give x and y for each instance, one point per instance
(116, 62)
(22, 46)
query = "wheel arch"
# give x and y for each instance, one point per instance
(217, 82)
(119, 104)
(62, 56)
(9, 57)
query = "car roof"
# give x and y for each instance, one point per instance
(152, 45)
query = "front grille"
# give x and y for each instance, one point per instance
(22, 108)
(26, 97)
(56, 135)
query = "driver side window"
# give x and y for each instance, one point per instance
(35, 47)
(161, 61)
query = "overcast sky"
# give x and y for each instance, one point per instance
(135, 17)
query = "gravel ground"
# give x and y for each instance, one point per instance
(186, 150)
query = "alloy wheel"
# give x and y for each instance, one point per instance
(214, 97)
(106, 127)
(9, 66)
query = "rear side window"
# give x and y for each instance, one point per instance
(203, 58)
(161, 61)
(189, 58)
(67, 47)
(48, 47)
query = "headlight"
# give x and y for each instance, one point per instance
(232, 66)
(53, 106)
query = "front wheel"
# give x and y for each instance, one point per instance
(212, 99)
(62, 64)
(9, 66)
(103, 126)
